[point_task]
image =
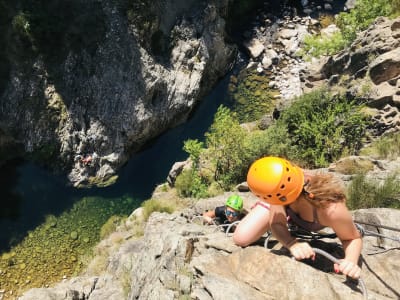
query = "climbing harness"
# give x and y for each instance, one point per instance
(299, 232)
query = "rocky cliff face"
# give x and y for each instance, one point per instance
(369, 69)
(112, 76)
(179, 259)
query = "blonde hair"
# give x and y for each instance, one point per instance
(324, 188)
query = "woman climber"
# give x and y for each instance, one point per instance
(311, 201)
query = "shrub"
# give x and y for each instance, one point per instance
(190, 184)
(275, 140)
(194, 148)
(229, 152)
(317, 45)
(316, 130)
(227, 148)
(21, 25)
(363, 14)
(350, 23)
(368, 193)
(320, 127)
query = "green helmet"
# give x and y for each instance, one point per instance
(235, 202)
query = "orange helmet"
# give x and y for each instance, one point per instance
(275, 180)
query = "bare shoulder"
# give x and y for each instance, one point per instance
(338, 217)
(334, 212)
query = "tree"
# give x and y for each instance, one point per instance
(226, 143)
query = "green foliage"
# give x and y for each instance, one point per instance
(190, 184)
(227, 147)
(318, 45)
(350, 23)
(319, 128)
(316, 130)
(368, 193)
(275, 140)
(362, 16)
(251, 95)
(387, 146)
(152, 205)
(194, 148)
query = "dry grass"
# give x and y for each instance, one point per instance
(350, 166)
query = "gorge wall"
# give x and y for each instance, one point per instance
(103, 78)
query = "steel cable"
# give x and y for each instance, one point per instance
(337, 261)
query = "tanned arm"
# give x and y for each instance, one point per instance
(339, 219)
(299, 250)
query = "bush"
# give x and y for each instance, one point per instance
(350, 23)
(275, 140)
(364, 193)
(21, 26)
(317, 45)
(227, 148)
(315, 131)
(363, 14)
(228, 152)
(320, 128)
(190, 184)
(194, 148)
